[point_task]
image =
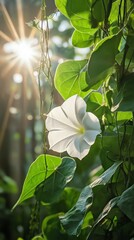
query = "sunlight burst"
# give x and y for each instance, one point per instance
(20, 49)
(24, 50)
(20, 54)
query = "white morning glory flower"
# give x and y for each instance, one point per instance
(71, 128)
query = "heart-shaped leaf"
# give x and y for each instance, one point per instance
(102, 60)
(39, 170)
(79, 14)
(57, 181)
(83, 40)
(69, 77)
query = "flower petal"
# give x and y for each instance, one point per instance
(91, 122)
(75, 109)
(90, 136)
(78, 147)
(59, 139)
(71, 129)
(57, 119)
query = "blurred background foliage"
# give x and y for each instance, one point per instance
(21, 127)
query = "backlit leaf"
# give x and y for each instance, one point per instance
(102, 60)
(82, 40)
(61, 6)
(79, 14)
(57, 181)
(39, 170)
(68, 78)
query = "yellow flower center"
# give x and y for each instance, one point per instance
(81, 130)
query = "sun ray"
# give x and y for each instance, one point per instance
(5, 37)
(6, 117)
(9, 67)
(20, 19)
(7, 59)
(21, 52)
(9, 23)
(16, 60)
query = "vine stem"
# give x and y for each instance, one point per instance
(45, 68)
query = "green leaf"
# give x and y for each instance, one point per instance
(89, 219)
(112, 203)
(125, 98)
(102, 60)
(123, 116)
(61, 6)
(101, 196)
(126, 202)
(109, 206)
(106, 210)
(74, 218)
(106, 176)
(111, 142)
(95, 97)
(70, 196)
(118, 9)
(57, 181)
(95, 103)
(39, 170)
(51, 226)
(99, 8)
(68, 78)
(114, 12)
(81, 18)
(83, 40)
(79, 14)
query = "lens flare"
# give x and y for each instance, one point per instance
(24, 50)
(21, 48)
(20, 55)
